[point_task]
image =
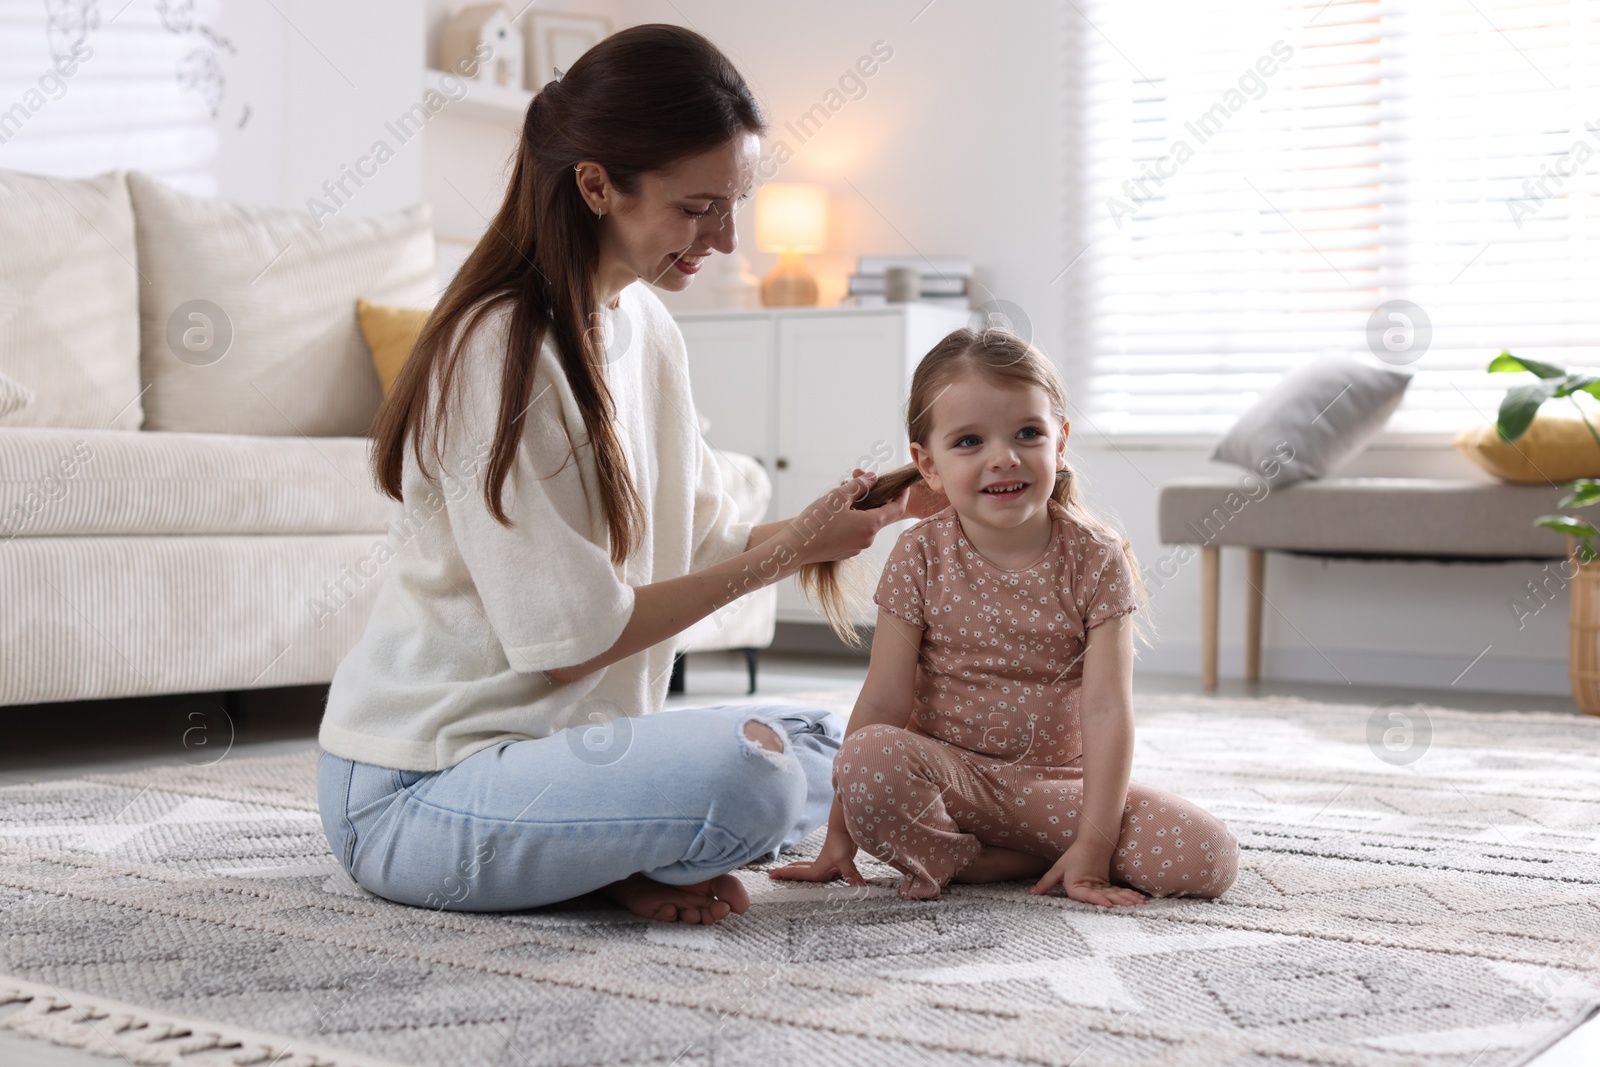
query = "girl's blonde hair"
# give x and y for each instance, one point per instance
(1003, 359)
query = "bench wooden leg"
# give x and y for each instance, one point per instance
(1210, 567)
(1252, 635)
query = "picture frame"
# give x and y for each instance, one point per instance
(556, 41)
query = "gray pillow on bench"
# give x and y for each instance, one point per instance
(1319, 415)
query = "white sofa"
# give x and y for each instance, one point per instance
(749, 623)
(185, 498)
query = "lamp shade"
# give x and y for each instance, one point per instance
(791, 217)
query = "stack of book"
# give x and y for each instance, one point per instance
(944, 280)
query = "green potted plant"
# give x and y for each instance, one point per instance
(1521, 404)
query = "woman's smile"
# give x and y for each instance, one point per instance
(687, 263)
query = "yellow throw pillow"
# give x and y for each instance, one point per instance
(391, 333)
(1556, 448)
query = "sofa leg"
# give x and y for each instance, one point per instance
(675, 683)
(1210, 566)
(1252, 635)
(233, 706)
(751, 657)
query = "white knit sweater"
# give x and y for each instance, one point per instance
(469, 612)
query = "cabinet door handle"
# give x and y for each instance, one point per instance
(783, 464)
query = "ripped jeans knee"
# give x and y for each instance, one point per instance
(764, 738)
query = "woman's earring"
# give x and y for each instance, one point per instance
(598, 212)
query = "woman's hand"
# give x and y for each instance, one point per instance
(923, 501)
(1084, 878)
(836, 860)
(830, 529)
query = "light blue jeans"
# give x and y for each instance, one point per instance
(681, 796)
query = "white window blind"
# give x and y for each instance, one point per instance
(1243, 212)
(142, 99)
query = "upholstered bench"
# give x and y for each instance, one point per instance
(1417, 519)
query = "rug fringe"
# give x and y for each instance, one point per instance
(147, 1038)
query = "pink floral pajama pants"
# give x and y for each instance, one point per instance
(927, 808)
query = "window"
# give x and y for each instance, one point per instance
(1256, 182)
(86, 88)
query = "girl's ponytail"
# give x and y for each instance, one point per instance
(839, 586)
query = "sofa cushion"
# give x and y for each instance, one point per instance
(1424, 517)
(248, 314)
(57, 482)
(69, 300)
(391, 333)
(1558, 446)
(1318, 416)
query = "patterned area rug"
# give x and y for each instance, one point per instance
(1418, 886)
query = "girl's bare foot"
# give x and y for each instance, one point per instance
(700, 903)
(910, 891)
(996, 864)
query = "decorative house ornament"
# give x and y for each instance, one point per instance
(483, 30)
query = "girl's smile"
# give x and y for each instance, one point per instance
(1011, 490)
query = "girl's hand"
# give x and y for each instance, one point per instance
(836, 860)
(830, 529)
(1085, 879)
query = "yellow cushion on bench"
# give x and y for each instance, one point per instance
(1557, 447)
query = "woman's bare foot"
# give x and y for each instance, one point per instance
(996, 864)
(700, 903)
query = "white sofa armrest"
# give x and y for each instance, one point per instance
(751, 621)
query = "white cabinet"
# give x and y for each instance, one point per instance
(811, 393)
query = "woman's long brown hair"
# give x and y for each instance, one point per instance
(1006, 360)
(639, 101)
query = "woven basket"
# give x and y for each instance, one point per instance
(1583, 648)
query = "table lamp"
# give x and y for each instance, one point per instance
(791, 220)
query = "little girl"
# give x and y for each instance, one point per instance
(993, 737)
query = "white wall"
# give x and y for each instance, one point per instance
(959, 147)
(323, 80)
(919, 120)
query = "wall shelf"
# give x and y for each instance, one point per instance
(485, 101)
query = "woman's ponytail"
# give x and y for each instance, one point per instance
(637, 103)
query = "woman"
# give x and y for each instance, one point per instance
(564, 520)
